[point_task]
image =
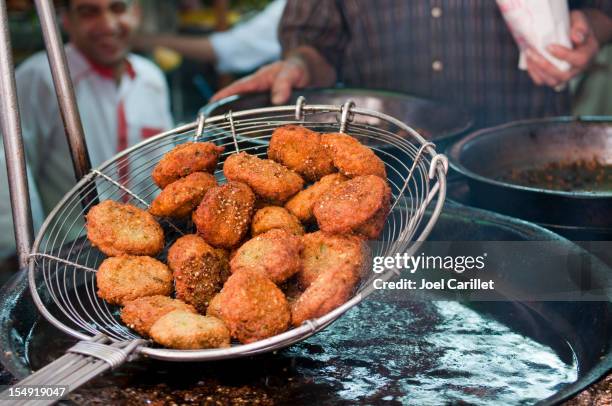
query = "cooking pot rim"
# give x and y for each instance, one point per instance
(467, 119)
(454, 153)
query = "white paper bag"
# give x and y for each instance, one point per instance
(537, 24)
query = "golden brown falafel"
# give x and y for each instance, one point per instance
(123, 229)
(251, 306)
(224, 215)
(300, 149)
(324, 252)
(372, 228)
(268, 179)
(275, 217)
(140, 314)
(188, 331)
(125, 278)
(302, 203)
(351, 157)
(181, 197)
(198, 269)
(357, 205)
(275, 253)
(329, 290)
(185, 159)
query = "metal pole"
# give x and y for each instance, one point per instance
(63, 88)
(13, 145)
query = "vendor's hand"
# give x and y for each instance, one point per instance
(278, 77)
(585, 44)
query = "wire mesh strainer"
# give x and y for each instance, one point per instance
(63, 263)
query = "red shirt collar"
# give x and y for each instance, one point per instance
(107, 72)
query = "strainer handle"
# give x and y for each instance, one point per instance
(81, 363)
(11, 126)
(13, 145)
(63, 88)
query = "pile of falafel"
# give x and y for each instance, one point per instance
(251, 270)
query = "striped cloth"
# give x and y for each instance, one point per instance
(456, 51)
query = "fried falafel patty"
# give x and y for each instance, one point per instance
(275, 217)
(123, 229)
(251, 306)
(351, 157)
(357, 205)
(300, 149)
(180, 198)
(199, 271)
(140, 314)
(188, 331)
(275, 253)
(185, 159)
(301, 204)
(331, 288)
(224, 215)
(372, 228)
(323, 252)
(125, 278)
(268, 179)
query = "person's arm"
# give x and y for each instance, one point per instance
(601, 24)
(589, 30)
(302, 67)
(197, 48)
(313, 38)
(243, 48)
(319, 71)
(251, 43)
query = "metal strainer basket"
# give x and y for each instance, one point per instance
(63, 262)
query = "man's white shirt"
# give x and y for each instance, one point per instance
(251, 43)
(114, 116)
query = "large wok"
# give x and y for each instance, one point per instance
(484, 156)
(391, 349)
(436, 121)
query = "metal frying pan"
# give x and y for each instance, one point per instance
(437, 122)
(484, 156)
(389, 349)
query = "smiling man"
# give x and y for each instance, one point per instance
(122, 99)
(102, 30)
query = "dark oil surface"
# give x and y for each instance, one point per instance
(385, 351)
(583, 176)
